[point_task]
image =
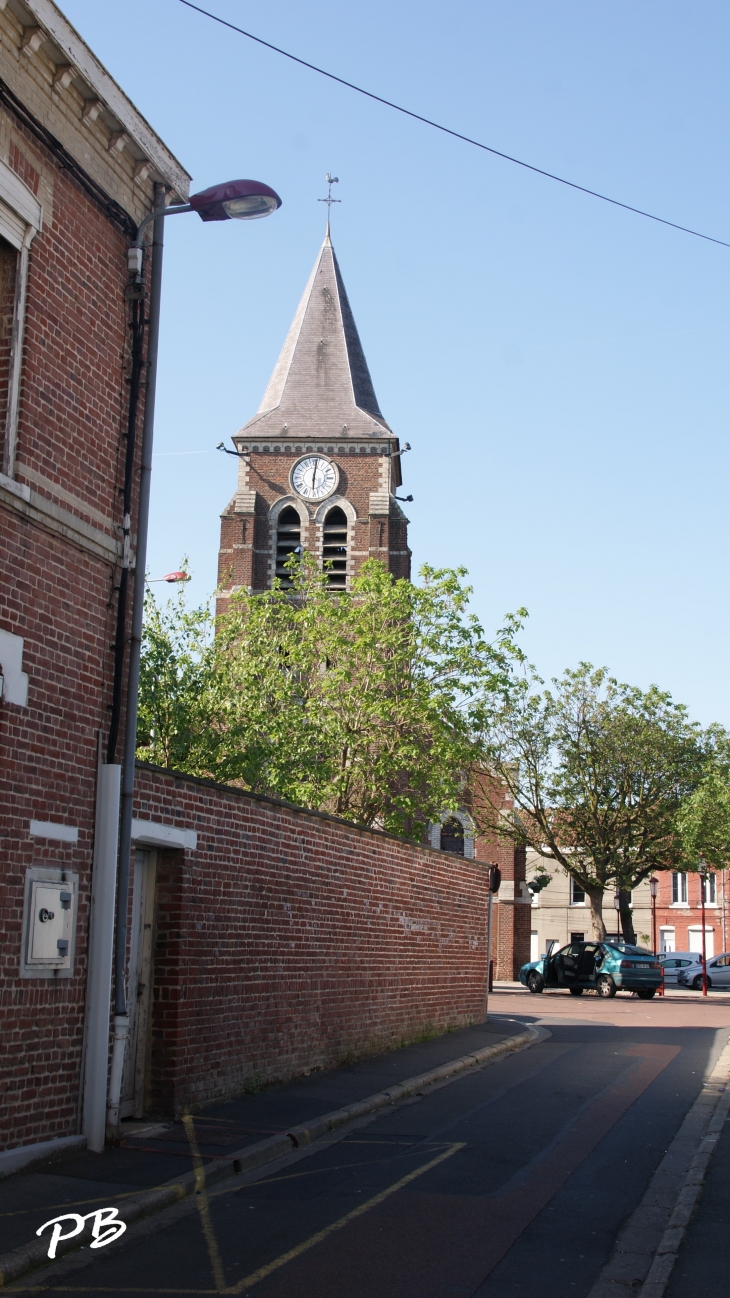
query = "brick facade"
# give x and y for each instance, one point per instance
(60, 513)
(289, 941)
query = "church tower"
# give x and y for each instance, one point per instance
(319, 465)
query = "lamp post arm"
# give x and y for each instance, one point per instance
(154, 216)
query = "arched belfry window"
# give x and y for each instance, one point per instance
(334, 548)
(452, 836)
(288, 541)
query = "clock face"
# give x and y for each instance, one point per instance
(314, 478)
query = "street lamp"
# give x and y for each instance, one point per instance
(240, 200)
(702, 871)
(170, 577)
(654, 890)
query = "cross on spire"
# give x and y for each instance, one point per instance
(329, 200)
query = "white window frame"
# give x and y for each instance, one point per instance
(573, 886)
(681, 879)
(21, 217)
(710, 887)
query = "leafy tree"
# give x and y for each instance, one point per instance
(365, 703)
(703, 821)
(598, 772)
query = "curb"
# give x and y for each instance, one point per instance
(147, 1202)
(646, 1250)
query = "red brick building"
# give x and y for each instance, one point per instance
(679, 912)
(78, 165)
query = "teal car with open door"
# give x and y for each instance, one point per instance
(603, 967)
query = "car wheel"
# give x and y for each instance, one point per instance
(697, 983)
(646, 993)
(535, 982)
(605, 986)
(576, 991)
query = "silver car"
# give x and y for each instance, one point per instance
(718, 973)
(673, 961)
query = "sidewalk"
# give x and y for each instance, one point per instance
(703, 1263)
(156, 1153)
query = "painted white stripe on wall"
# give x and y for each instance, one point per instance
(52, 829)
(156, 835)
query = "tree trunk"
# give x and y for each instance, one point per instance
(595, 896)
(627, 920)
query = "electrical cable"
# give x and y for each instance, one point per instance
(456, 134)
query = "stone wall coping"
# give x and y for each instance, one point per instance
(204, 782)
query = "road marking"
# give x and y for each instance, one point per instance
(433, 1240)
(264, 1271)
(203, 1206)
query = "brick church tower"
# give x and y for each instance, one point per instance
(319, 465)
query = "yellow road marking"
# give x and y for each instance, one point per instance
(264, 1271)
(201, 1195)
(339, 1167)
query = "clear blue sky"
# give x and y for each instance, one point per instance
(559, 366)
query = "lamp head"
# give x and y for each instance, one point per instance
(240, 200)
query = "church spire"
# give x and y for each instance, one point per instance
(321, 385)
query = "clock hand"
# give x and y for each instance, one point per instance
(314, 472)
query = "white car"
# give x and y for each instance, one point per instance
(673, 961)
(718, 973)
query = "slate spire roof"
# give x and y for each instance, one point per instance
(321, 385)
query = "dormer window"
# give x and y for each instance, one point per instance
(288, 541)
(334, 548)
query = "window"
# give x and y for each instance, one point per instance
(577, 895)
(8, 277)
(577, 937)
(667, 940)
(452, 836)
(695, 940)
(288, 541)
(334, 548)
(679, 889)
(710, 890)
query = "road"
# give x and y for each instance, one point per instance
(513, 1180)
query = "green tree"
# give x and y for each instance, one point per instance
(365, 703)
(703, 821)
(598, 772)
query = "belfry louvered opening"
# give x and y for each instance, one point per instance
(288, 541)
(334, 548)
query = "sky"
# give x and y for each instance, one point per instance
(558, 365)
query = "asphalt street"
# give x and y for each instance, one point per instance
(514, 1179)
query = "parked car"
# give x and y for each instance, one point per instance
(604, 967)
(718, 972)
(673, 961)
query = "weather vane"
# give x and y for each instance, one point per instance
(329, 200)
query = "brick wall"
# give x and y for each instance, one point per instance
(289, 941)
(57, 594)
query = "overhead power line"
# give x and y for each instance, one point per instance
(457, 135)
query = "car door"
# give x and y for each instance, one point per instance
(587, 964)
(719, 971)
(568, 963)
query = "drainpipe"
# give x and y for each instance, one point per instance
(101, 945)
(121, 1015)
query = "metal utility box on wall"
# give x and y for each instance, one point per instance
(49, 923)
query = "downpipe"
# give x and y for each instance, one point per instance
(101, 944)
(119, 1052)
